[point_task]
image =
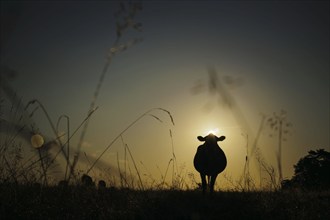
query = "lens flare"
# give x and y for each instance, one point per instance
(37, 141)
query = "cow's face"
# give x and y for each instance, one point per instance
(211, 139)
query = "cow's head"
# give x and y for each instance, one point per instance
(211, 138)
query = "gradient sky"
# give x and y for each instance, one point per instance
(277, 51)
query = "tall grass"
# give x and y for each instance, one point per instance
(12, 153)
(277, 122)
(145, 114)
(57, 138)
(125, 19)
(67, 142)
(149, 113)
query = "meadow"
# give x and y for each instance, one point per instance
(79, 202)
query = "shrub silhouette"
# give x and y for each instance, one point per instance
(312, 172)
(102, 184)
(87, 180)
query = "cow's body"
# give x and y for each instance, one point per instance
(210, 160)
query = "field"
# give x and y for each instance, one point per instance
(77, 202)
(47, 139)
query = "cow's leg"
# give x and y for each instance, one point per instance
(203, 177)
(209, 182)
(213, 178)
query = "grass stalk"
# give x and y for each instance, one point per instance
(113, 50)
(51, 124)
(67, 142)
(174, 162)
(168, 165)
(30, 166)
(127, 128)
(43, 168)
(136, 169)
(120, 173)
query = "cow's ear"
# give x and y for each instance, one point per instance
(200, 138)
(221, 138)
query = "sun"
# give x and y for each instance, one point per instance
(214, 131)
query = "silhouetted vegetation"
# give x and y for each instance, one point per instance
(27, 190)
(80, 202)
(312, 172)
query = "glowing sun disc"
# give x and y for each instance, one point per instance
(213, 131)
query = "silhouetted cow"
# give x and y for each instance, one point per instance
(210, 160)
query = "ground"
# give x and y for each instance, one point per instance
(34, 202)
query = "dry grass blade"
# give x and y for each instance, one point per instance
(147, 113)
(52, 126)
(30, 166)
(120, 173)
(168, 165)
(169, 113)
(68, 140)
(173, 158)
(158, 119)
(136, 169)
(115, 48)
